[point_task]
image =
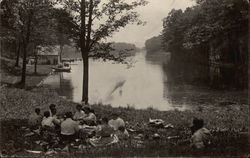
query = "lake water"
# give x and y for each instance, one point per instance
(140, 84)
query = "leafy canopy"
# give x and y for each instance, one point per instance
(203, 22)
(100, 19)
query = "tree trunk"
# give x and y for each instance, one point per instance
(35, 64)
(60, 54)
(84, 53)
(18, 54)
(25, 47)
(22, 83)
(85, 85)
(248, 56)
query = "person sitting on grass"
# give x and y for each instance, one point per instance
(116, 122)
(69, 128)
(105, 129)
(79, 114)
(49, 121)
(48, 130)
(90, 119)
(122, 133)
(55, 117)
(52, 108)
(53, 113)
(200, 137)
(35, 119)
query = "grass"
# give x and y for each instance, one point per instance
(12, 75)
(228, 124)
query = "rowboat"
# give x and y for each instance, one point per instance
(62, 68)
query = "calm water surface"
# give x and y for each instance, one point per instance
(140, 84)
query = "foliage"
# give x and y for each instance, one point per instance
(154, 44)
(117, 51)
(7, 30)
(217, 18)
(17, 14)
(47, 22)
(203, 22)
(106, 18)
(62, 26)
(208, 29)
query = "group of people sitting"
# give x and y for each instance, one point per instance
(82, 125)
(85, 126)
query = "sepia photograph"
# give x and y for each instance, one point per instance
(124, 78)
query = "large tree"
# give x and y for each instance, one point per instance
(28, 20)
(94, 21)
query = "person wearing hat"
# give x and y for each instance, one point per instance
(200, 137)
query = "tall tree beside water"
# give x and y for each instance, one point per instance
(94, 22)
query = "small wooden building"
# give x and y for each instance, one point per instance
(48, 56)
(48, 59)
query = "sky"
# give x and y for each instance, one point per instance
(153, 13)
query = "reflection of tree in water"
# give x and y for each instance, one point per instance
(183, 73)
(180, 77)
(170, 84)
(160, 57)
(65, 87)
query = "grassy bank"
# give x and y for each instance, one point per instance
(12, 75)
(228, 124)
(18, 104)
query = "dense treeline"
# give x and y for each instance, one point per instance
(153, 44)
(124, 49)
(118, 48)
(211, 37)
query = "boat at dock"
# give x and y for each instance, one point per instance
(65, 67)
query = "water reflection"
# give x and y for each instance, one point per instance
(141, 84)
